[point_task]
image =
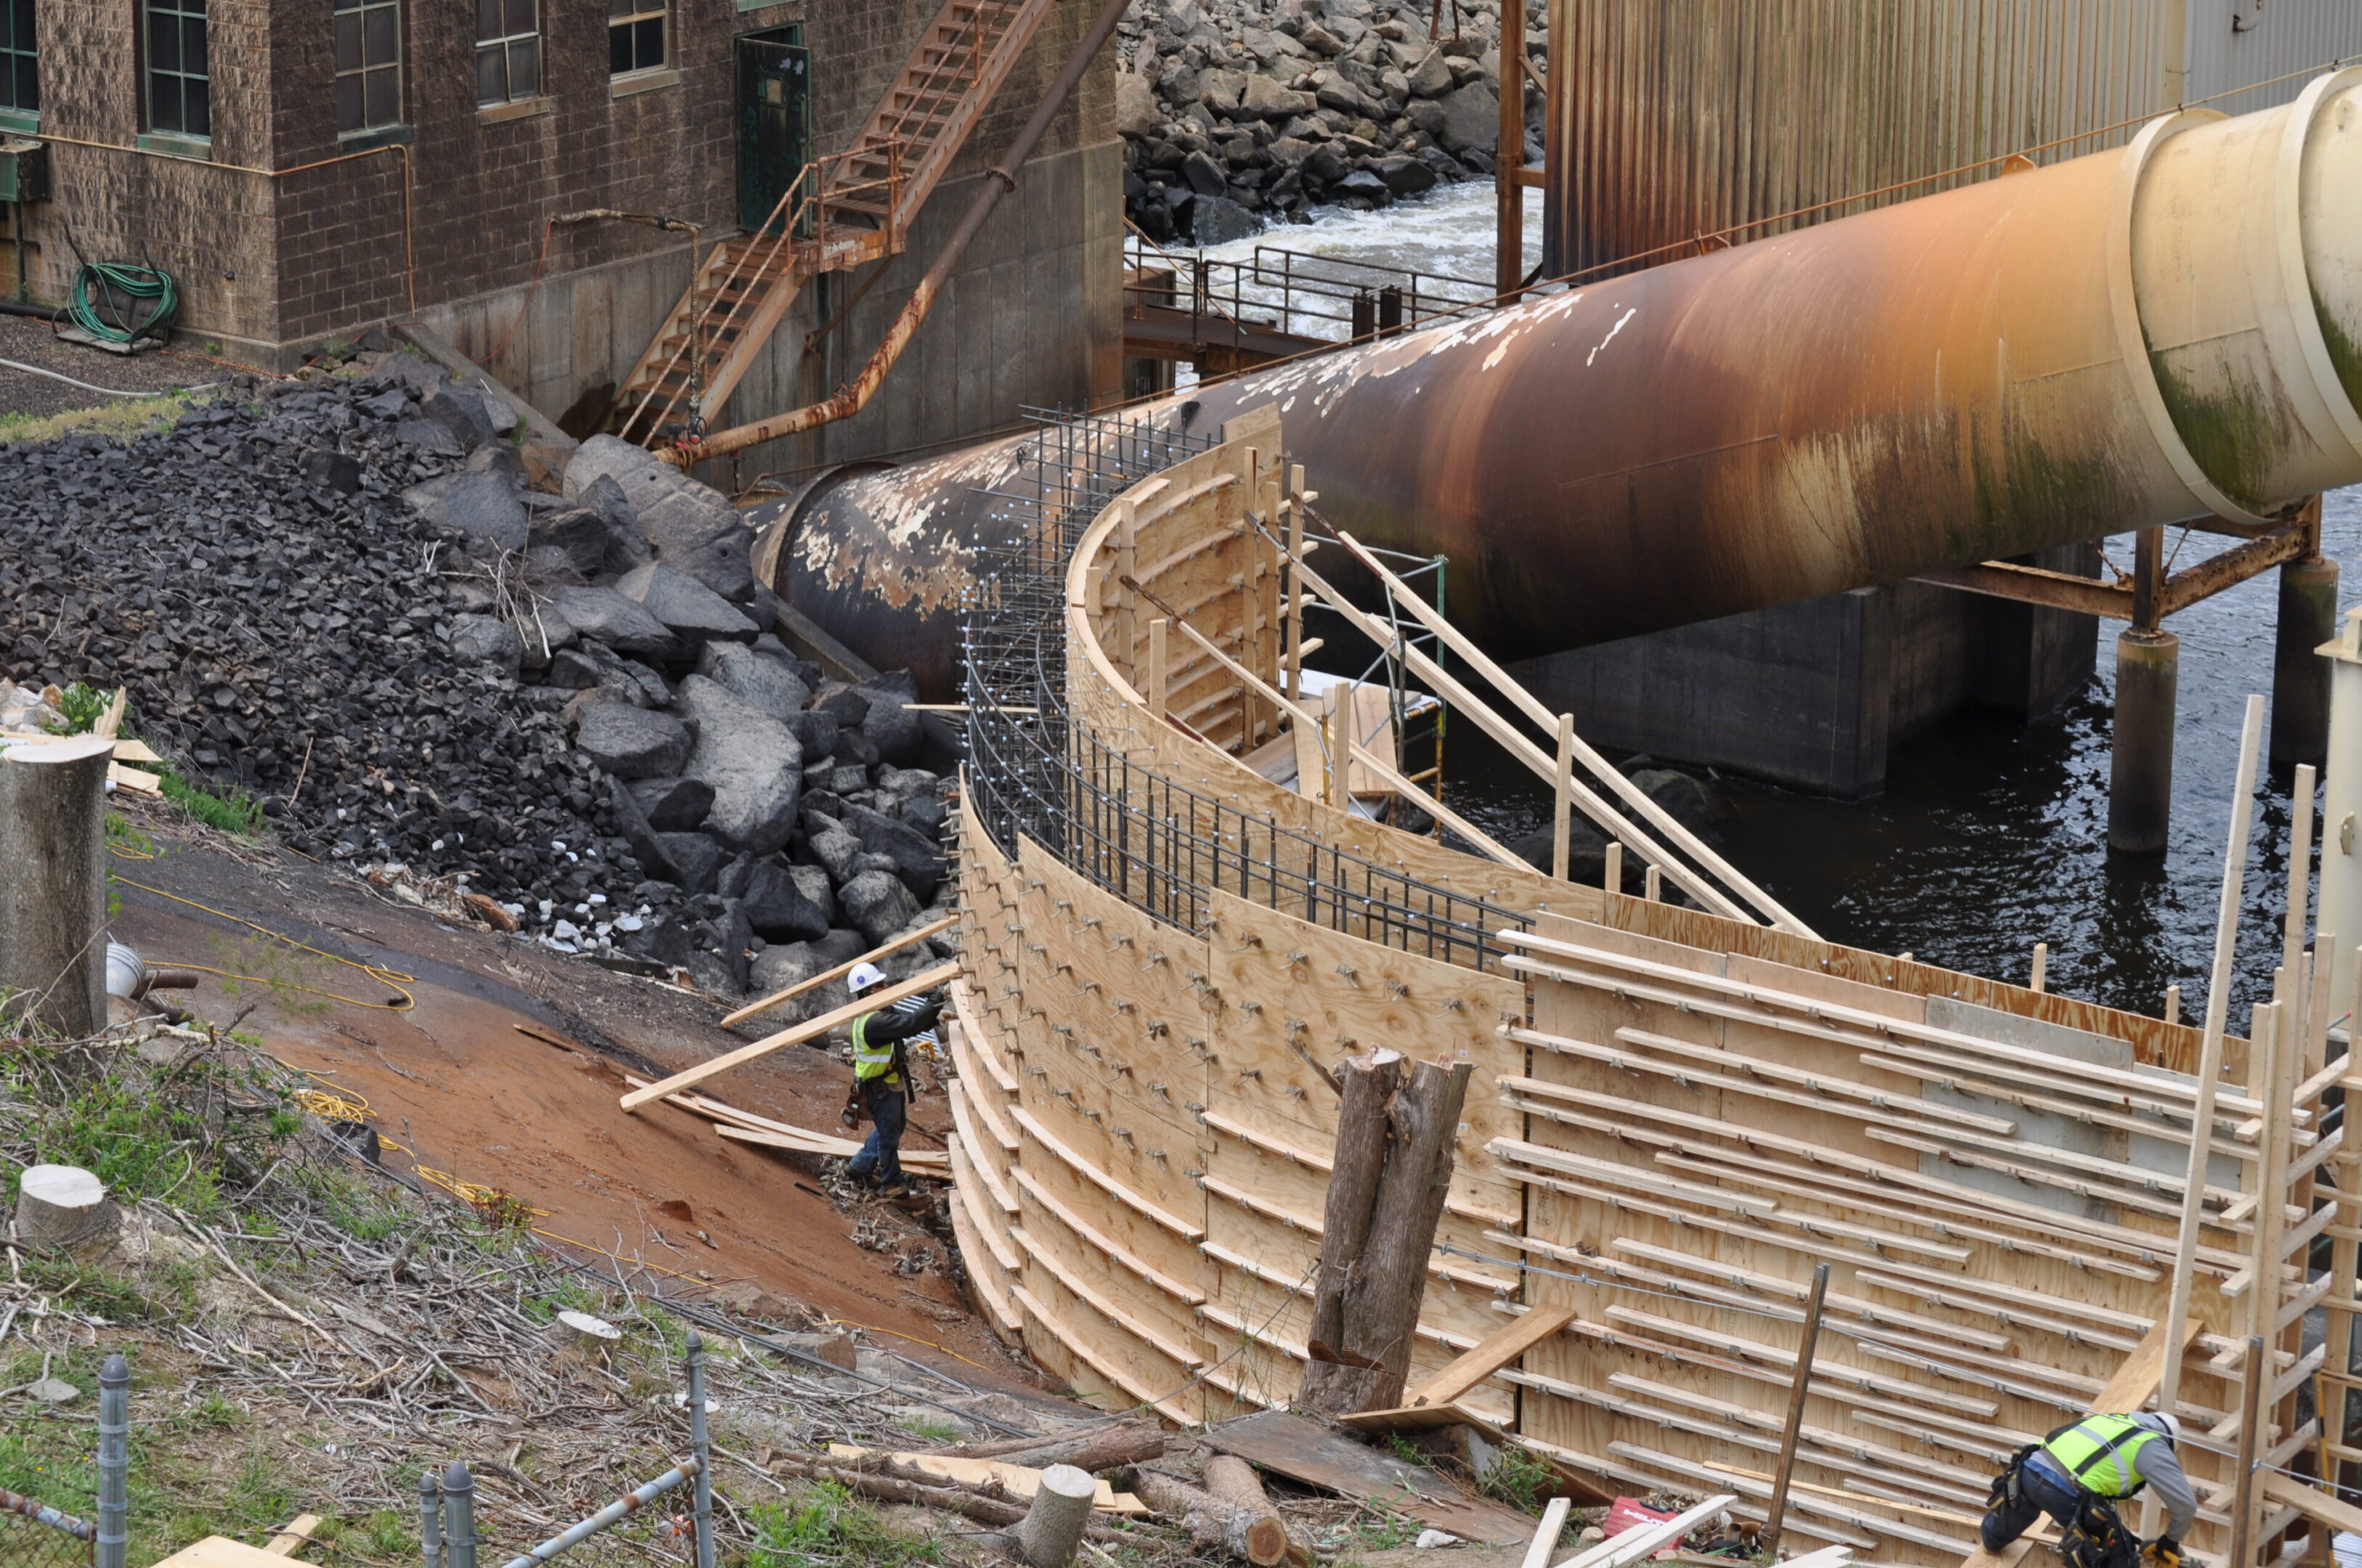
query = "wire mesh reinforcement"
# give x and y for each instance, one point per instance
(1162, 847)
(34, 1535)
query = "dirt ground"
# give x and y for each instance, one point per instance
(455, 1079)
(31, 342)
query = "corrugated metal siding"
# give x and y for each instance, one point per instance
(1676, 119)
(2273, 38)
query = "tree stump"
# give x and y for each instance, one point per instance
(53, 898)
(582, 1335)
(1053, 1528)
(67, 1208)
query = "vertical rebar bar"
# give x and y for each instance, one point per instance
(430, 1518)
(701, 1511)
(459, 1517)
(113, 1463)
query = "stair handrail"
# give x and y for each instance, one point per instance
(966, 77)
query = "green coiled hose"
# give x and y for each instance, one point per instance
(140, 299)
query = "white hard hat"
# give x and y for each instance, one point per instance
(864, 975)
(2170, 1425)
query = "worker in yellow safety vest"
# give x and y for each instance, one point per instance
(2078, 1475)
(882, 1082)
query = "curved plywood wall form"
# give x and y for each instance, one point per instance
(1673, 1115)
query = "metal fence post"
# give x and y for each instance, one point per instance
(459, 1517)
(430, 1518)
(701, 1446)
(113, 1463)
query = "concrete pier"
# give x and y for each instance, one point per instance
(2308, 618)
(2140, 772)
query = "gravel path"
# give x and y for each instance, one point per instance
(30, 342)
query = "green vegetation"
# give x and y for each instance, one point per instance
(143, 1143)
(79, 707)
(124, 419)
(1521, 1479)
(827, 1526)
(235, 812)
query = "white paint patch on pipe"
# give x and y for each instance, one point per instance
(1612, 331)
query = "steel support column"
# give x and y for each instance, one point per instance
(2148, 666)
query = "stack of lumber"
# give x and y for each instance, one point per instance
(745, 1127)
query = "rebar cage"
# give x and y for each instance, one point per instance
(1034, 772)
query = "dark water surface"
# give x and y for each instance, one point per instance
(1993, 834)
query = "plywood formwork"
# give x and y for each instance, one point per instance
(1674, 1115)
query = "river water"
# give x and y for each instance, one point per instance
(1993, 833)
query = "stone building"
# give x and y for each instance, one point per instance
(306, 173)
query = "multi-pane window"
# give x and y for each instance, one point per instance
(369, 64)
(635, 35)
(20, 88)
(508, 50)
(179, 87)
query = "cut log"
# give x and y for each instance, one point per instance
(1365, 1366)
(65, 1207)
(53, 896)
(1053, 1528)
(1229, 1479)
(890, 1490)
(1101, 1446)
(1212, 1522)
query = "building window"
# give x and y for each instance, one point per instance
(20, 86)
(179, 86)
(369, 64)
(508, 50)
(635, 36)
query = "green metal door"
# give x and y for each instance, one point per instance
(774, 119)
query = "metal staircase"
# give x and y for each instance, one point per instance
(844, 209)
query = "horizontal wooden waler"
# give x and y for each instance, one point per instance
(1675, 1113)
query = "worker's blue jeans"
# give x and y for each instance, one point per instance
(2039, 1492)
(881, 1156)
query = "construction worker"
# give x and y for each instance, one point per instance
(882, 1081)
(2078, 1475)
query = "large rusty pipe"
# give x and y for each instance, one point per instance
(855, 395)
(2150, 335)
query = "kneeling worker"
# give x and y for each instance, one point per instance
(2079, 1473)
(882, 1081)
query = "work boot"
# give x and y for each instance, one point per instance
(895, 1190)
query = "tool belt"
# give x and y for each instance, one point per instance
(2094, 1538)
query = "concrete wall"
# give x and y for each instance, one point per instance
(1032, 317)
(1818, 695)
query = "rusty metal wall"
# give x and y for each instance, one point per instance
(1668, 122)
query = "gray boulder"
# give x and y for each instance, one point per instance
(1684, 799)
(769, 683)
(631, 742)
(1430, 78)
(892, 728)
(776, 906)
(640, 475)
(812, 882)
(587, 540)
(752, 761)
(815, 729)
(674, 805)
(690, 610)
(605, 497)
(429, 436)
(689, 861)
(605, 617)
(878, 904)
(459, 410)
(917, 859)
(485, 639)
(1472, 119)
(1136, 113)
(779, 966)
(835, 850)
(478, 510)
(1265, 99)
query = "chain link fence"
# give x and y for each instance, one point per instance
(38, 1532)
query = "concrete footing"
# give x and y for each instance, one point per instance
(2308, 618)
(2140, 772)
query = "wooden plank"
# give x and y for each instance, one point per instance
(1641, 1540)
(1545, 1542)
(1491, 1355)
(931, 1160)
(295, 1537)
(1104, 1182)
(875, 953)
(1304, 1450)
(220, 1551)
(811, 1030)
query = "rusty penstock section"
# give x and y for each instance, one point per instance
(2162, 332)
